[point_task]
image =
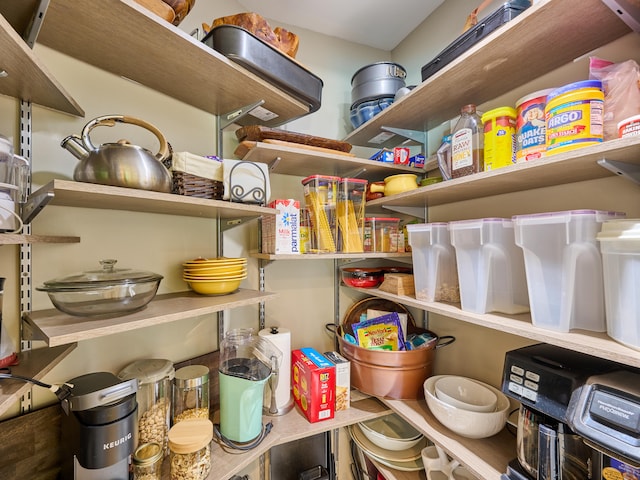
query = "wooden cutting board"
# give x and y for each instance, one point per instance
(243, 148)
(159, 8)
(259, 133)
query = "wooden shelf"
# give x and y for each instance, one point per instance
(591, 343)
(27, 78)
(77, 194)
(33, 364)
(291, 427)
(539, 40)
(304, 162)
(122, 37)
(330, 256)
(561, 168)
(486, 458)
(57, 328)
(18, 239)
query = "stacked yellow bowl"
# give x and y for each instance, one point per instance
(215, 276)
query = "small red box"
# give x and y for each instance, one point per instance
(314, 384)
(401, 155)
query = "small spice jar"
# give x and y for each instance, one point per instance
(191, 393)
(154, 398)
(147, 462)
(190, 449)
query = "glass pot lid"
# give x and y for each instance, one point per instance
(105, 277)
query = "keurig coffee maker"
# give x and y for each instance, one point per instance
(99, 427)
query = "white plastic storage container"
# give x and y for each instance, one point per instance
(620, 248)
(490, 266)
(435, 274)
(564, 268)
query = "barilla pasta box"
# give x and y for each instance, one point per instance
(281, 233)
(313, 379)
(343, 379)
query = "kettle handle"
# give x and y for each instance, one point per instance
(110, 121)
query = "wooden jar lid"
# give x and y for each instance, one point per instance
(190, 435)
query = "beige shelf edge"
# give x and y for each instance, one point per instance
(304, 162)
(591, 343)
(122, 37)
(58, 328)
(18, 239)
(294, 426)
(558, 169)
(487, 458)
(33, 364)
(328, 256)
(391, 474)
(499, 63)
(20, 63)
(89, 195)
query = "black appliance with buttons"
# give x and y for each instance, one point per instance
(542, 378)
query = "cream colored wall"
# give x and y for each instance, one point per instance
(160, 243)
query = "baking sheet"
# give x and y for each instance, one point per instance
(269, 63)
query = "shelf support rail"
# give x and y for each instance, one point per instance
(411, 135)
(223, 121)
(25, 248)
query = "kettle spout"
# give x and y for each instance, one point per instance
(74, 144)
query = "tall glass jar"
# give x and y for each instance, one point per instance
(191, 393)
(147, 462)
(190, 447)
(154, 398)
(467, 143)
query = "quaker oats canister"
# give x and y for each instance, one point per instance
(574, 116)
(530, 126)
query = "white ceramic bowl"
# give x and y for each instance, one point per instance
(466, 393)
(467, 423)
(391, 432)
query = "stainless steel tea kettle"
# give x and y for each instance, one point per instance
(120, 164)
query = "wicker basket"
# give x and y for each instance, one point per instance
(195, 186)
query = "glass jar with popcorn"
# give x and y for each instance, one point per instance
(154, 377)
(191, 393)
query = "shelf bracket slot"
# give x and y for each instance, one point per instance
(630, 171)
(233, 222)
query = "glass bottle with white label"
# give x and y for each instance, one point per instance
(467, 146)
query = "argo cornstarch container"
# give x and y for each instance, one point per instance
(574, 116)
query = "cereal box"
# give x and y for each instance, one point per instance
(281, 233)
(343, 380)
(313, 380)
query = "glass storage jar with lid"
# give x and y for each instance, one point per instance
(154, 398)
(147, 462)
(190, 449)
(191, 393)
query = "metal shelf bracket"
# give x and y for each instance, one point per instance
(414, 135)
(630, 171)
(417, 212)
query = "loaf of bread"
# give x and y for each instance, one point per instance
(283, 40)
(181, 8)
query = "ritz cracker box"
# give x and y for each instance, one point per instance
(281, 233)
(314, 384)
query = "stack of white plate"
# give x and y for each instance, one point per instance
(390, 441)
(215, 276)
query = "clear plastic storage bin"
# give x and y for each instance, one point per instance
(435, 272)
(350, 214)
(381, 234)
(620, 248)
(564, 268)
(320, 197)
(490, 266)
